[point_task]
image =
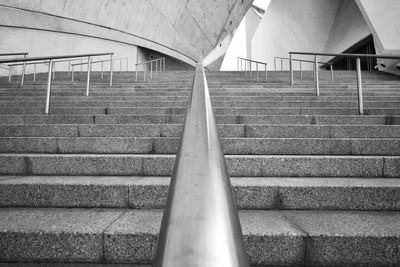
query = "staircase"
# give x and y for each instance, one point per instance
(315, 184)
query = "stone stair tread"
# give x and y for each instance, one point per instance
(344, 193)
(271, 237)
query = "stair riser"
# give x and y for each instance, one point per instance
(252, 166)
(87, 192)
(249, 146)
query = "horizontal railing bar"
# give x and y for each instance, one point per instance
(146, 62)
(13, 54)
(254, 61)
(31, 63)
(52, 58)
(345, 55)
(304, 60)
(97, 61)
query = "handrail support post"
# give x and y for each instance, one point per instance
(23, 73)
(89, 70)
(359, 87)
(111, 69)
(49, 87)
(291, 69)
(316, 74)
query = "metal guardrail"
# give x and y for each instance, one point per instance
(301, 66)
(248, 63)
(200, 225)
(159, 67)
(102, 65)
(358, 68)
(51, 61)
(23, 65)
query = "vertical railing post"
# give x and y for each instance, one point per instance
(72, 73)
(291, 69)
(23, 72)
(266, 72)
(102, 70)
(136, 71)
(89, 70)
(144, 71)
(151, 70)
(49, 87)
(111, 69)
(331, 73)
(120, 65)
(69, 67)
(359, 87)
(275, 63)
(9, 74)
(156, 66)
(316, 74)
(164, 63)
(237, 62)
(81, 65)
(251, 72)
(257, 72)
(127, 64)
(301, 70)
(34, 72)
(54, 70)
(281, 64)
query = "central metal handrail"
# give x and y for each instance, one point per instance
(358, 69)
(243, 67)
(51, 61)
(160, 67)
(301, 66)
(200, 225)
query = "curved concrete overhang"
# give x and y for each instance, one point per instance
(185, 30)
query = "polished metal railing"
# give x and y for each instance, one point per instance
(102, 65)
(244, 65)
(51, 61)
(301, 61)
(159, 67)
(24, 54)
(200, 225)
(358, 69)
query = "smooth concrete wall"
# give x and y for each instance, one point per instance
(44, 43)
(348, 28)
(181, 29)
(287, 25)
(252, 22)
(383, 18)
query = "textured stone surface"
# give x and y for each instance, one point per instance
(85, 165)
(13, 165)
(270, 239)
(392, 167)
(329, 166)
(132, 238)
(53, 234)
(65, 191)
(353, 239)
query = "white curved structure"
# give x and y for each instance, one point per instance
(183, 30)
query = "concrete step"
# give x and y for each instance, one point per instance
(218, 111)
(250, 193)
(219, 104)
(162, 165)
(231, 146)
(214, 98)
(129, 236)
(225, 130)
(220, 119)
